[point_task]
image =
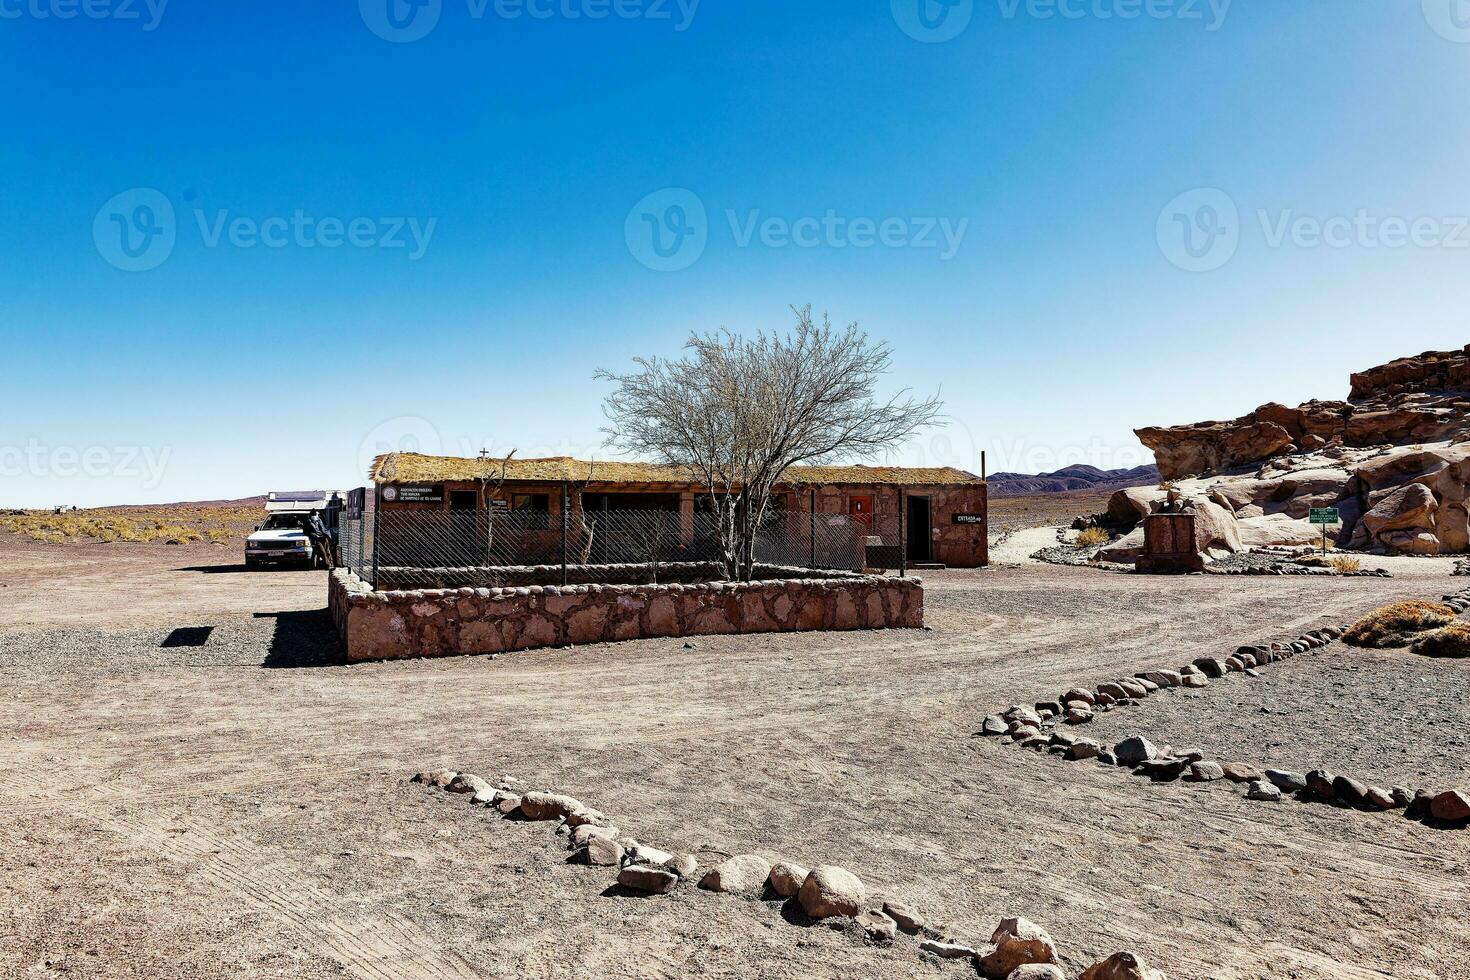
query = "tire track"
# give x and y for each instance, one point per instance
(378, 947)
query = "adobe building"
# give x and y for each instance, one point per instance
(945, 510)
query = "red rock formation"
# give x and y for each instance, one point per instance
(1410, 400)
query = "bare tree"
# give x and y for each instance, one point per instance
(739, 412)
(490, 484)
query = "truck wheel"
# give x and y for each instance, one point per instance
(252, 564)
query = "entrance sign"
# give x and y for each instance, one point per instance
(969, 518)
(415, 494)
(1324, 516)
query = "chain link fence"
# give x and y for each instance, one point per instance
(408, 548)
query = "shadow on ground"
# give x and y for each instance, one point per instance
(303, 639)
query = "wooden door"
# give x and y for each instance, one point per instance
(860, 509)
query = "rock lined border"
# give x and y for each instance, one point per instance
(378, 625)
(1018, 949)
(1260, 561)
(1036, 728)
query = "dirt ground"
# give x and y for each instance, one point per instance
(190, 788)
(1009, 513)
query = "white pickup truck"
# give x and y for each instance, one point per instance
(281, 538)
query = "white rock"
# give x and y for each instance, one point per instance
(743, 874)
(829, 891)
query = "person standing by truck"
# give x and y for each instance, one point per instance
(321, 541)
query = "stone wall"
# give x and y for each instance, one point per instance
(449, 622)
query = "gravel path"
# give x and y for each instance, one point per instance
(1018, 548)
(197, 815)
(1386, 716)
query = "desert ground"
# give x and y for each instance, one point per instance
(190, 786)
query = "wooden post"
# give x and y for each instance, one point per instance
(565, 506)
(377, 526)
(903, 539)
(812, 517)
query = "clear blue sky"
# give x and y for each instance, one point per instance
(1056, 319)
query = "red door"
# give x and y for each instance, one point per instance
(860, 509)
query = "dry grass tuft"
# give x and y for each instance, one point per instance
(1398, 624)
(1452, 641)
(217, 525)
(1346, 563)
(1092, 537)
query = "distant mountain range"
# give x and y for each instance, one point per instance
(202, 504)
(1079, 477)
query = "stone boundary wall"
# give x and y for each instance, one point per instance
(449, 622)
(394, 577)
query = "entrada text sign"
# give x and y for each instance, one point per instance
(1324, 515)
(969, 518)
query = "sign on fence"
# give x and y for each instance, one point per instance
(433, 494)
(1324, 515)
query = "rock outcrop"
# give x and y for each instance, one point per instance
(1411, 400)
(1394, 459)
(1408, 500)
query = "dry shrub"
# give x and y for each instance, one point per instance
(1346, 563)
(1452, 641)
(1398, 624)
(134, 524)
(1092, 537)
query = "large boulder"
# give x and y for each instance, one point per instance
(1121, 966)
(1132, 504)
(1016, 942)
(829, 891)
(1125, 550)
(743, 874)
(1402, 522)
(1276, 529)
(1209, 447)
(1215, 530)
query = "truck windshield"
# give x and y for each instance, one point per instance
(279, 522)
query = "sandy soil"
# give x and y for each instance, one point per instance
(241, 809)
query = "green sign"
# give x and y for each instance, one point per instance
(1325, 515)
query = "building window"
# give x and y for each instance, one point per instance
(532, 510)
